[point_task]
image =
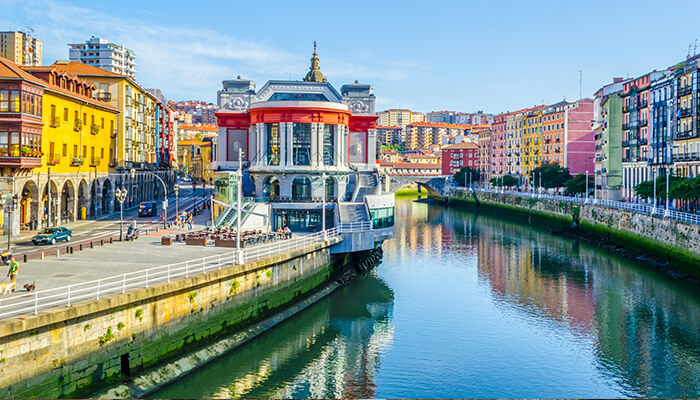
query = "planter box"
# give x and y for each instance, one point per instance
(166, 241)
(225, 243)
(196, 242)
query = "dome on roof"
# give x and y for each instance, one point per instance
(314, 74)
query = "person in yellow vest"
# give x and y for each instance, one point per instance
(12, 272)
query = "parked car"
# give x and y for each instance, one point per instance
(148, 209)
(52, 235)
(187, 179)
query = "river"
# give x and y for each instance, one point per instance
(470, 304)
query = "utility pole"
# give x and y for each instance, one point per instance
(238, 206)
(48, 199)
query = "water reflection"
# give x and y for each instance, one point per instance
(330, 350)
(478, 305)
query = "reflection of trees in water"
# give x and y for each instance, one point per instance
(645, 325)
(329, 350)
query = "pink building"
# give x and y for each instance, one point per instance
(458, 156)
(579, 138)
(497, 157)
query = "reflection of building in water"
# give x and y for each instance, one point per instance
(632, 315)
(329, 350)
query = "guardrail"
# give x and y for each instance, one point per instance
(640, 208)
(32, 303)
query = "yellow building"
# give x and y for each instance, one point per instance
(59, 136)
(531, 140)
(20, 48)
(194, 158)
(135, 141)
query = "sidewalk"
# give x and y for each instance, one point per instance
(115, 259)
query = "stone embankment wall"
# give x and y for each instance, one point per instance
(75, 351)
(672, 241)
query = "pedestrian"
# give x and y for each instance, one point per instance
(287, 232)
(189, 221)
(12, 272)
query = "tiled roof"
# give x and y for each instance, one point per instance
(67, 92)
(203, 127)
(10, 70)
(417, 165)
(192, 143)
(463, 145)
(78, 68)
(388, 127)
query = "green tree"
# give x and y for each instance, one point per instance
(462, 176)
(553, 175)
(577, 184)
(680, 188)
(507, 181)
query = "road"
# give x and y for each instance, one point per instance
(87, 230)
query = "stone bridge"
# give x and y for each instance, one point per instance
(435, 185)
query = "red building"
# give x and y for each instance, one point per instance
(458, 156)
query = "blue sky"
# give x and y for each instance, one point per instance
(424, 55)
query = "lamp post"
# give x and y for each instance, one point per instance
(165, 194)
(323, 211)
(120, 193)
(540, 183)
(586, 186)
(11, 204)
(653, 177)
(239, 173)
(668, 200)
(176, 188)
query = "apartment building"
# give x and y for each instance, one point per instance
(458, 156)
(20, 48)
(426, 135)
(100, 53)
(484, 143)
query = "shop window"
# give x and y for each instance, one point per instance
(301, 189)
(328, 145)
(382, 217)
(301, 144)
(273, 144)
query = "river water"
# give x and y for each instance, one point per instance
(470, 304)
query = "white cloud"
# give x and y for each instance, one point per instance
(185, 63)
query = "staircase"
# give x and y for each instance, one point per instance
(367, 183)
(352, 212)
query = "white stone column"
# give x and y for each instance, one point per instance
(315, 144)
(288, 143)
(261, 139)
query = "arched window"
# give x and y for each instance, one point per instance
(301, 189)
(330, 189)
(271, 188)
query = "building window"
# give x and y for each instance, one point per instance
(328, 145)
(330, 189)
(65, 150)
(301, 144)
(301, 189)
(273, 144)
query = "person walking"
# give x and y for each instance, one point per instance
(12, 272)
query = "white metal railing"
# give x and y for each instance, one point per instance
(32, 303)
(639, 208)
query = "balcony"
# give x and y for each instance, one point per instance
(29, 158)
(682, 91)
(686, 157)
(94, 161)
(94, 129)
(685, 112)
(684, 134)
(53, 159)
(104, 96)
(642, 141)
(78, 125)
(55, 122)
(76, 162)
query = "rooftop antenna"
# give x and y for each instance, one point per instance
(580, 84)
(695, 47)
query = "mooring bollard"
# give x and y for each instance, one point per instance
(102, 242)
(81, 247)
(26, 258)
(110, 240)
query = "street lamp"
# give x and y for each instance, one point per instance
(165, 194)
(120, 193)
(176, 188)
(323, 209)
(586, 186)
(11, 204)
(239, 173)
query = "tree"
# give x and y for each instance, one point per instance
(577, 184)
(553, 175)
(198, 137)
(506, 180)
(680, 188)
(462, 176)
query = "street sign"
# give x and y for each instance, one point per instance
(165, 203)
